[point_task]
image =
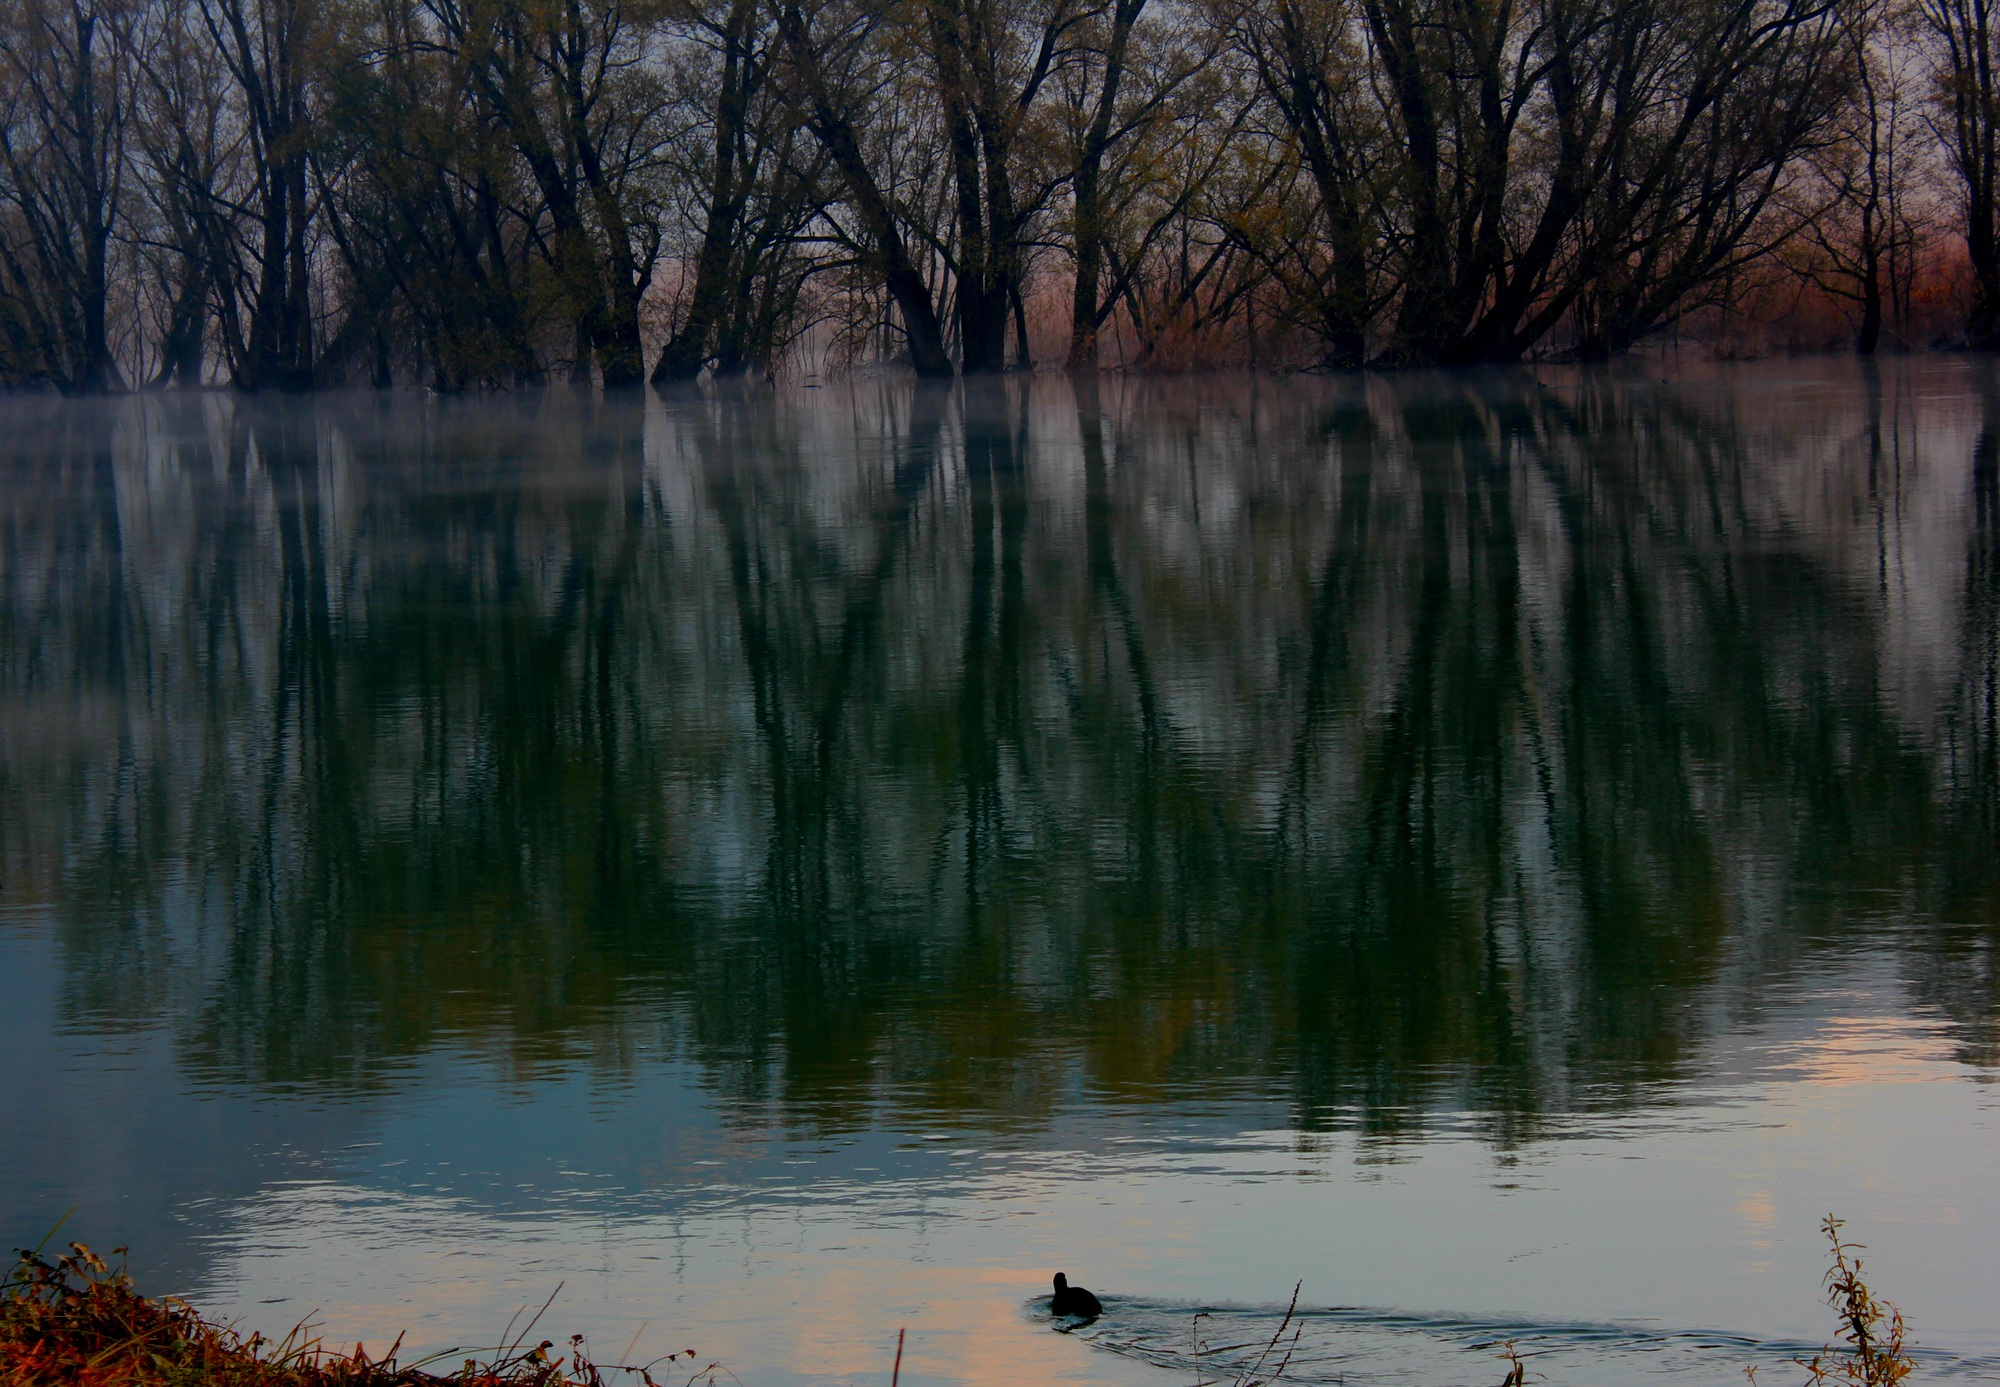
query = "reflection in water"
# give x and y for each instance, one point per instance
(1327, 1348)
(1281, 773)
(1389, 743)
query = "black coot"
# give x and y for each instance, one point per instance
(1072, 1300)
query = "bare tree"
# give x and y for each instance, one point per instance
(992, 61)
(1862, 245)
(478, 193)
(571, 83)
(67, 68)
(755, 183)
(743, 68)
(436, 219)
(1309, 58)
(274, 52)
(1124, 98)
(1967, 123)
(188, 154)
(828, 71)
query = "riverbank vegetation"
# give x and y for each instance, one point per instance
(484, 193)
(80, 1322)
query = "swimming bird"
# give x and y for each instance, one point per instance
(1073, 1300)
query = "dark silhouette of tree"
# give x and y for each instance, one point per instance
(66, 81)
(487, 193)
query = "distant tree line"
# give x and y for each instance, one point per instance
(485, 193)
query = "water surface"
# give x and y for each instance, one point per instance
(1505, 853)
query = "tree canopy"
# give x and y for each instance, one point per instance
(487, 193)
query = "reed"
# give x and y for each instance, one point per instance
(1256, 1375)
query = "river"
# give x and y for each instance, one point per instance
(1504, 854)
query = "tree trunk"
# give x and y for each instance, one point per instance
(900, 275)
(1089, 266)
(1869, 335)
(1087, 194)
(981, 288)
(688, 350)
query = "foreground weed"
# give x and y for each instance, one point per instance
(1875, 1353)
(78, 1322)
(1256, 1375)
(1517, 1367)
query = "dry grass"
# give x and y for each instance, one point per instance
(78, 1322)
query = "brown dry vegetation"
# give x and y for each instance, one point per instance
(79, 1322)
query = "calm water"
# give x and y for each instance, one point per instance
(1505, 854)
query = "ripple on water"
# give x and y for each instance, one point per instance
(1359, 1347)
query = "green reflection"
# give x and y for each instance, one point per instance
(1388, 744)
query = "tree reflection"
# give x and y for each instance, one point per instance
(1392, 743)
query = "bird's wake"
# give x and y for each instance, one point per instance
(1238, 1344)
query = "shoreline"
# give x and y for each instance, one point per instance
(79, 1320)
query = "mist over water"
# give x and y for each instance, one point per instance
(1510, 851)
